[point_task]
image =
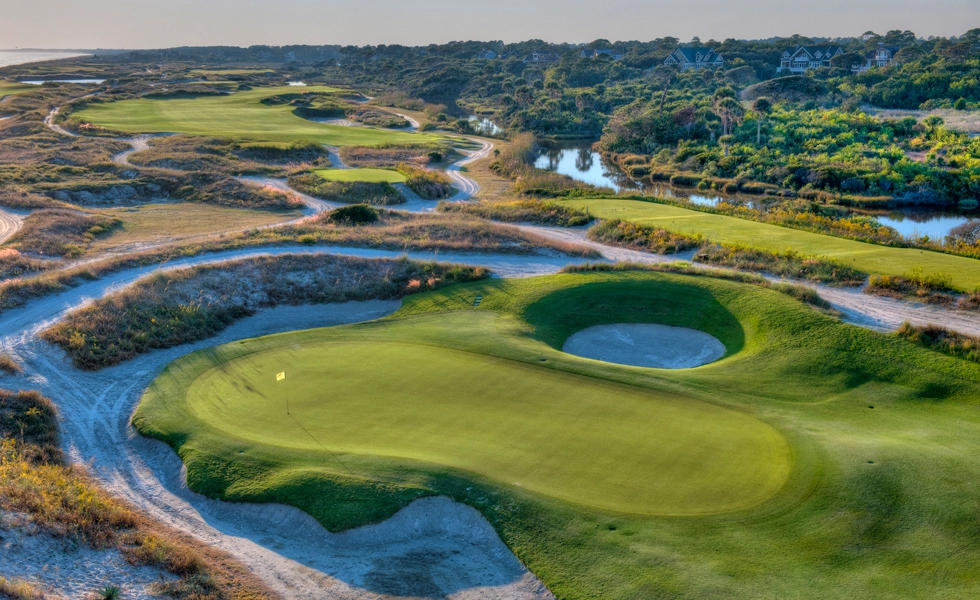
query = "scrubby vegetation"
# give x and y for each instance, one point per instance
(55, 232)
(521, 211)
(183, 306)
(390, 157)
(8, 365)
(379, 193)
(942, 340)
(934, 288)
(62, 501)
(429, 185)
(355, 214)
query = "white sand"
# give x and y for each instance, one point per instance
(646, 345)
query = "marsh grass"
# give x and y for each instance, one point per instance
(62, 501)
(387, 157)
(177, 307)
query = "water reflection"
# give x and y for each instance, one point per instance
(918, 223)
(484, 126)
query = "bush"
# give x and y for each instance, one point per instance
(355, 214)
(942, 340)
(429, 185)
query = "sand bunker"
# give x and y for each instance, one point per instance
(646, 345)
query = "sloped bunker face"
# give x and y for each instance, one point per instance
(646, 345)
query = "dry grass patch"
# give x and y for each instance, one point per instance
(61, 232)
(521, 211)
(362, 156)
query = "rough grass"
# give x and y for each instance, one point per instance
(18, 589)
(14, 264)
(378, 193)
(884, 436)
(942, 340)
(61, 232)
(932, 288)
(864, 257)
(64, 502)
(521, 211)
(429, 185)
(242, 115)
(186, 305)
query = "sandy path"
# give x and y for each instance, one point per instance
(432, 548)
(137, 144)
(467, 186)
(10, 223)
(49, 121)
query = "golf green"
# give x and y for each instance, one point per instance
(368, 175)
(576, 438)
(241, 115)
(813, 457)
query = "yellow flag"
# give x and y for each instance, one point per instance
(280, 376)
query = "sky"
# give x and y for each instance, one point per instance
(93, 24)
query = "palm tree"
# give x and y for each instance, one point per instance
(762, 107)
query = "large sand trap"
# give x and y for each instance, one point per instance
(646, 345)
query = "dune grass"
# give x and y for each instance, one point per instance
(882, 435)
(241, 115)
(368, 175)
(870, 258)
(149, 223)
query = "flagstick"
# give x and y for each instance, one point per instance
(287, 397)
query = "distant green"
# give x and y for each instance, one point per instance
(241, 115)
(870, 258)
(368, 175)
(581, 465)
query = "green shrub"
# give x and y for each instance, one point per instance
(355, 214)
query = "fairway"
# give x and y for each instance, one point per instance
(241, 115)
(870, 258)
(571, 437)
(368, 175)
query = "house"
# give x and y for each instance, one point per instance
(597, 53)
(694, 58)
(487, 55)
(541, 58)
(507, 55)
(802, 58)
(881, 56)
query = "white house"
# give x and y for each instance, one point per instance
(694, 58)
(803, 58)
(881, 56)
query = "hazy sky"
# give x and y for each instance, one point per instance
(167, 23)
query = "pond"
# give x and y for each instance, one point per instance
(581, 163)
(484, 126)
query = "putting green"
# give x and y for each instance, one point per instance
(575, 438)
(368, 175)
(870, 258)
(241, 115)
